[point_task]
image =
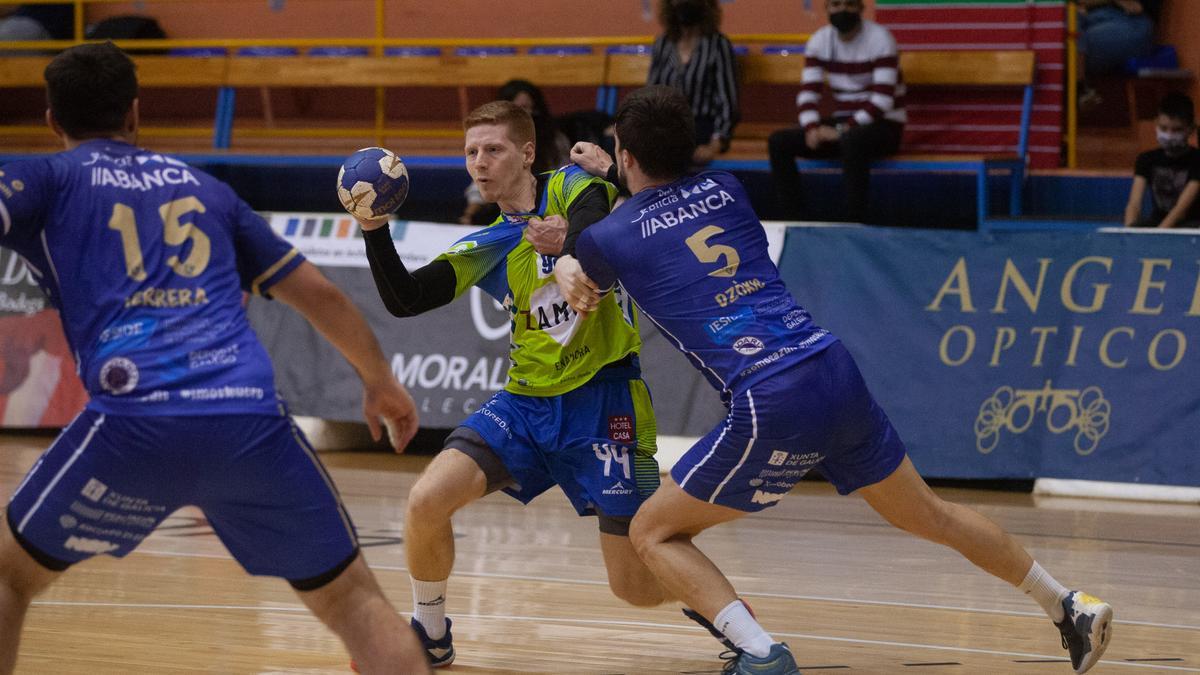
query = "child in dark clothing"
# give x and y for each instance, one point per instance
(1172, 171)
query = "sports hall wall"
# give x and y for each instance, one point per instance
(1180, 27)
(410, 19)
(453, 18)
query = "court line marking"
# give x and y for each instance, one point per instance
(1041, 535)
(621, 623)
(778, 596)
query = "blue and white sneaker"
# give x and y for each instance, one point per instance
(1086, 629)
(778, 661)
(440, 651)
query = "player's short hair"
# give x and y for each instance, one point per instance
(90, 89)
(518, 121)
(655, 125)
(1177, 105)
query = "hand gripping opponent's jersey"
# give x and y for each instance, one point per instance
(147, 258)
(551, 350)
(693, 256)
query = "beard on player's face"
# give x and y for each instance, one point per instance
(622, 178)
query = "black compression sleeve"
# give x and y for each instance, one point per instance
(589, 207)
(402, 292)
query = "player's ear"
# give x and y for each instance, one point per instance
(628, 161)
(528, 152)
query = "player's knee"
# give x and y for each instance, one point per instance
(930, 521)
(428, 502)
(646, 535)
(23, 577)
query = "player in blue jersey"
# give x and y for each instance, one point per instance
(692, 254)
(147, 260)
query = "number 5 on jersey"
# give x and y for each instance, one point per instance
(175, 233)
(698, 242)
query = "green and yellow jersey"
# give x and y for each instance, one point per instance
(552, 350)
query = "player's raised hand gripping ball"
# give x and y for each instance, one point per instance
(372, 183)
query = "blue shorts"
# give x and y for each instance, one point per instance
(109, 480)
(817, 413)
(596, 442)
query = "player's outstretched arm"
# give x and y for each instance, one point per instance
(334, 315)
(405, 293)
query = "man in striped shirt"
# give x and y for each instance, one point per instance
(859, 62)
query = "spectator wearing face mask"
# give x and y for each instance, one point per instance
(1172, 171)
(693, 56)
(857, 62)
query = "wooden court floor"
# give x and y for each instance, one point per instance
(826, 575)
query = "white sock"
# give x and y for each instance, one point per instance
(429, 606)
(1046, 590)
(742, 630)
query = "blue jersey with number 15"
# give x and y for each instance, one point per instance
(693, 256)
(146, 259)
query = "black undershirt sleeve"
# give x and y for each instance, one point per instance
(407, 293)
(589, 207)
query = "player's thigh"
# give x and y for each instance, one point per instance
(604, 456)
(102, 487)
(862, 446)
(905, 500)
(272, 503)
(338, 600)
(504, 438)
(19, 570)
(462, 472)
(628, 575)
(671, 512)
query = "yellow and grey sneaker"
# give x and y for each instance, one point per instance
(1086, 629)
(778, 661)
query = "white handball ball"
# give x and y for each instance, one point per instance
(372, 183)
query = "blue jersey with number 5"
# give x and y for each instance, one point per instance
(693, 256)
(147, 259)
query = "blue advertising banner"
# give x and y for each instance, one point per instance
(1019, 355)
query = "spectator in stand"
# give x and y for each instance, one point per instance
(693, 56)
(859, 61)
(1172, 171)
(551, 146)
(37, 22)
(1111, 32)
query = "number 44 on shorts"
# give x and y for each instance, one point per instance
(609, 453)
